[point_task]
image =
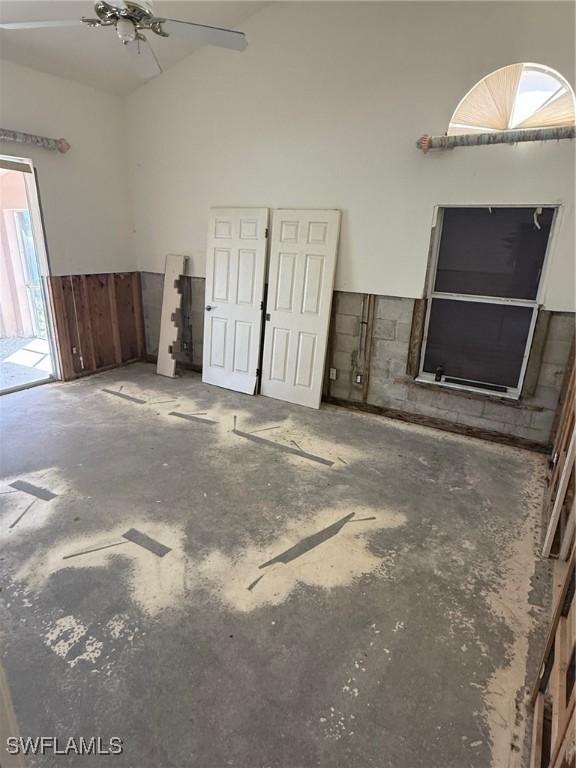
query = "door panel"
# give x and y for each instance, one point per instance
(285, 281)
(313, 284)
(246, 275)
(302, 265)
(242, 347)
(235, 271)
(305, 359)
(221, 275)
(218, 342)
(279, 353)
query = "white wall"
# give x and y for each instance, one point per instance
(84, 193)
(323, 110)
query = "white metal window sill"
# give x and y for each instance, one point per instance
(512, 394)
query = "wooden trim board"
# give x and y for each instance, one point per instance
(61, 327)
(416, 337)
(537, 728)
(566, 400)
(8, 725)
(138, 315)
(567, 470)
(436, 423)
(550, 692)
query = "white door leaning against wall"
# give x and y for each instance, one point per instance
(235, 273)
(303, 254)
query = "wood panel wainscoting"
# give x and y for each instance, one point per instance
(98, 321)
(559, 501)
(554, 693)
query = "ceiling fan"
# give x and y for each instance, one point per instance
(130, 18)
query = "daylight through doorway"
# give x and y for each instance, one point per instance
(25, 346)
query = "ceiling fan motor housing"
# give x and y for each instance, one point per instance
(137, 12)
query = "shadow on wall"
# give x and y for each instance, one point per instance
(190, 353)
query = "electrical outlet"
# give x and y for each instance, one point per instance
(333, 374)
(358, 378)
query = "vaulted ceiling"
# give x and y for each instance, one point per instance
(95, 56)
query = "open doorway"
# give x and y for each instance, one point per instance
(26, 349)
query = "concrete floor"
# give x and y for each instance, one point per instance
(341, 590)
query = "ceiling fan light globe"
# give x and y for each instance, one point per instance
(126, 30)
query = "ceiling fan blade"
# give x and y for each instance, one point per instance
(203, 35)
(41, 24)
(143, 58)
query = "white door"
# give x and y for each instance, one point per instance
(303, 254)
(235, 270)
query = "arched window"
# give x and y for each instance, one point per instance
(514, 98)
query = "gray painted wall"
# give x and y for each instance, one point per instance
(389, 387)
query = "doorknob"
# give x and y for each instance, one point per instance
(209, 308)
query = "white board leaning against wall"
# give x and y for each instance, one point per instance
(235, 274)
(303, 254)
(171, 301)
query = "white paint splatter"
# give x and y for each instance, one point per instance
(118, 627)
(63, 636)
(93, 650)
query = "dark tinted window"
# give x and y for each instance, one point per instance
(476, 341)
(492, 253)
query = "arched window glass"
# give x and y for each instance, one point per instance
(513, 98)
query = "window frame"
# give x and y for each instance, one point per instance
(484, 388)
(526, 67)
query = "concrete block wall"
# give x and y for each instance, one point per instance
(345, 342)
(392, 323)
(389, 387)
(192, 316)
